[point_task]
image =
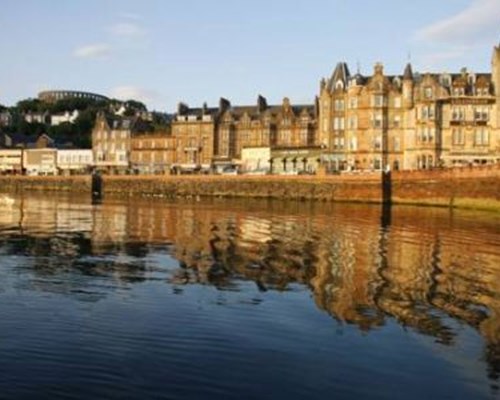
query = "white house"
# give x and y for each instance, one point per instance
(36, 117)
(256, 160)
(74, 161)
(11, 161)
(70, 117)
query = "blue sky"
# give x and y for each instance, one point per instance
(163, 52)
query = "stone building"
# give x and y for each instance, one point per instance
(278, 126)
(193, 130)
(152, 152)
(409, 121)
(111, 142)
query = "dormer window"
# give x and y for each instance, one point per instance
(445, 80)
(484, 91)
(339, 85)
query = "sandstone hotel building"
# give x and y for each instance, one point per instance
(399, 122)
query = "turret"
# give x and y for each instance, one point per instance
(495, 78)
(182, 108)
(224, 105)
(495, 71)
(408, 85)
(261, 103)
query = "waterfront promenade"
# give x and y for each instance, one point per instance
(477, 188)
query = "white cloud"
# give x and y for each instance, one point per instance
(132, 16)
(134, 93)
(128, 29)
(92, 51)
(480, 21)
(436, 59)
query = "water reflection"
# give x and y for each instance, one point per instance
(428, 269)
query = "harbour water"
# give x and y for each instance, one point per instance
(207, 299)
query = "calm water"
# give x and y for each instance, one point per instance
(259, 300)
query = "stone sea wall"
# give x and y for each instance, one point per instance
(477, 188)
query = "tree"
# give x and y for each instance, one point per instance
(33, 105)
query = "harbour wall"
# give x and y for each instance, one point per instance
(477, 187)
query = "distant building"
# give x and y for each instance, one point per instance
(67, 117)
(256, 160)
(111, 141)
(379, 122)
(52, 96)
(32, 117)
(5, 118)
(40, 161)
(11, 161)
(43, 141)
(74, 161)
(193, 129)
(217, 136)
(152, 152)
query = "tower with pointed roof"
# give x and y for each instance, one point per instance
(495, 77)
(408, 86)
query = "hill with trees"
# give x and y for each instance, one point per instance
(80, 131)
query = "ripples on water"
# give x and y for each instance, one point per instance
(222, 299)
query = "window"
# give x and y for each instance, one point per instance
(481, 137)
(304, 136)
(428, 92)
(481, 114)
(457, 114)
(431, 134)
(339, 105)
(354, 143)
(397, 144)
(397, 121)
(338, 123)
(353, 103)
(427, 113)
(483, 91)
(377, 100)
(377, 143)
(457, 137)
(377, 121)
(353, 122)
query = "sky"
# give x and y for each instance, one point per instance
(162, 52)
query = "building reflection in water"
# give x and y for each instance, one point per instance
(424, 268)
